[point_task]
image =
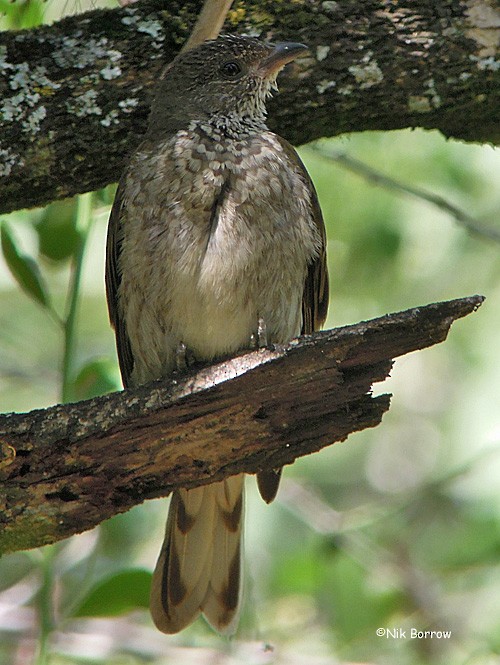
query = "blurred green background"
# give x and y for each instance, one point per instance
(397, 529)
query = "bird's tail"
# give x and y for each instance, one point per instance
(199, 567)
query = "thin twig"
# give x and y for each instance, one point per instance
(209, 23)
(374, 176)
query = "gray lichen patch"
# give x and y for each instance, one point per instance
(367, 73)
(109, 72)
(330, 6)
(84, 104)
(325, 85)
(426, 102)
(128, 105)
(3, 58)
(322, 52)
(148, 26)
(110, 119)
(31, 86)
(33, 120)
(73, 53)
(486, 64)
(346, 90)
(433, 93)
(8, 160)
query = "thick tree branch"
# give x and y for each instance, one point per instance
(75, 95)
(67, 468)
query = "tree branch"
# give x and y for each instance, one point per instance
(75, 95)
(67, 468)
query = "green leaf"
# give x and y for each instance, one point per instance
(96, 377)
(13, 568)
(57, 233)
(22, 14)
(358, 606)
(117, 594)
(24, 269)
(460, 541)
(298, 573)
(106, 195)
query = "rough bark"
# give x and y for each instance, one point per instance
(74, 96)
(67, 468)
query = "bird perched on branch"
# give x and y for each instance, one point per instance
(216, 244)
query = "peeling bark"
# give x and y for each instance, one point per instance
(74, 96)
(67, 468)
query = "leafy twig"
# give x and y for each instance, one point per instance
(374, 176)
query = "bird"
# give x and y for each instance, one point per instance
(216, 244)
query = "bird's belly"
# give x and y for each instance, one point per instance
(209, 325)
(216, 300)
(210, 296)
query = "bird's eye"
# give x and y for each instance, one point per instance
(230, 70)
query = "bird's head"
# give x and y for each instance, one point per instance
(228, 78)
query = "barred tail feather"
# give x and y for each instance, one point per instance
(199, 567)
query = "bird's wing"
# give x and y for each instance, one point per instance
(316, 294)
(314, 299)
(113, 278)
(316, 290)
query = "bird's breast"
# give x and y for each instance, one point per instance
(218, 236)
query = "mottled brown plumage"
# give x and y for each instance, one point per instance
(215, 230)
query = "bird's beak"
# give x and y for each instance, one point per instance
(281, 55)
